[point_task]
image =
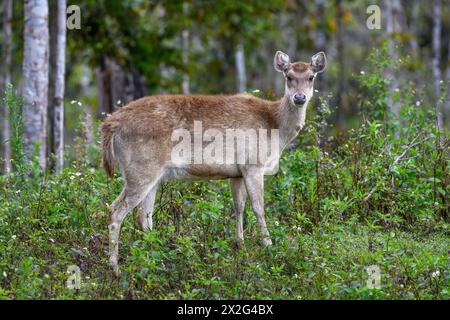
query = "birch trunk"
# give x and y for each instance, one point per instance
(240, 68)
(163, 70)
(341, 88)
(436, 58)
(57, 83)
(35, 77)
(446, 111)
(7, 42)
(88, 126)
(392, 26)
(320, 39)
(413, 28)
(185, 85)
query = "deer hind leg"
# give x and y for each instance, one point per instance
(112, 207)
(131, 198)
(254, 182)
(145, 209)
(239, 197)
(133, 193)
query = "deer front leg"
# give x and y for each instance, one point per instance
(239, 197)
(254, 182)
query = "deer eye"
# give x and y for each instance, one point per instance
(289, 78)
(311, 78)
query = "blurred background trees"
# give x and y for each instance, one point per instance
(128, 49)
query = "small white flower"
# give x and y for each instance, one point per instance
(256, 91)
(13, 237)
(78, 174)
(17, 191)
(315, 90)
(362, 72)
(435, 274)
(277, 223)
(397, 90)
(5, 274)
(417, 103)
(51, 240)
(73, 102)
(71, 177)
(79, 103)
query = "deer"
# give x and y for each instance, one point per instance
(139, 138)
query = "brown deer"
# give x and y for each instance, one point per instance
(140, 138)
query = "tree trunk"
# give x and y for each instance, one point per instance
(392, 14)
(436, 58)
(88, 124)
(320, 39)
(240, 68)
(104, 99)
(185, 86)
(413, 28)
(163, 70)
(446, 110)
(57, 83)
(341, 87)
(116, 87)
(35, 77)
(7, 44)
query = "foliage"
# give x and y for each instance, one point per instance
(14, 107)
(378, 197)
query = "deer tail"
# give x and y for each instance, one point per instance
(108, 130)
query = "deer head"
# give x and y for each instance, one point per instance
(299, 76)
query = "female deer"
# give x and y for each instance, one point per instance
(140, 138)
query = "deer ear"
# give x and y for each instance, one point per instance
(318, 62)
(281, 61)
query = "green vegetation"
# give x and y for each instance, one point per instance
(378, 196)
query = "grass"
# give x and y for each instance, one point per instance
(378, 198)
(191, 253)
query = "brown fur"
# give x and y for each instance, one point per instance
(139, 137)
(156, 117)
(107, 131)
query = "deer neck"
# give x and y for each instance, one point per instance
(290, 120)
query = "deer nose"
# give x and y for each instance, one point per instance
(299, 99)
